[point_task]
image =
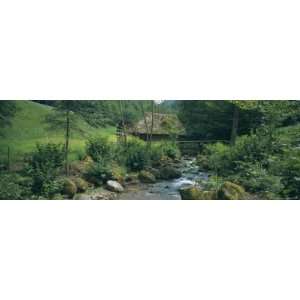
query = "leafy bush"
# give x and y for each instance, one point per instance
(288, 167)
(213, 183)
(43, 167)
(134, 155)
(171, 150)
(99, 149)
(252, 162)
(9, 188)
(218, 158)
(98, 173)
(257, 179)
(254, 148)
(162, 151)
(51, 189)
(156, 154)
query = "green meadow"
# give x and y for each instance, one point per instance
(29, 128)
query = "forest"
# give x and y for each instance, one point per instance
(152, 150)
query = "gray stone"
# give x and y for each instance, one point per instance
(146, 177)
(83, 197)
(114, 186)
(104, 195)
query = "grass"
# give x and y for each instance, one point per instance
(290, 134)
(28, 128)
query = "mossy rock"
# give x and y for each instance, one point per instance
(195, 193)
(131, 178)
(88, 160)
(82, 197)
(80, 167)
(69, 188)
(118, 173)
(208, 195)
(81, 184)
(165, 161)
(146, 177)
(231, 191)
(202, 161)
(169, 172)
(154, 172)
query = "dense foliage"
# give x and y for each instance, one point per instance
(260, 148)
(7, 111)
(43, 168)
(213, 119)
(260, 162)
(99, 149)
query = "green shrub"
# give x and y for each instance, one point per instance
(43, 167)
(218, 158)
(52, 188)
(254, 148)
(170, 149)
(161, 151)
(251, 162)
(213, 183)
(9, 188)
(156, 154)
(257, 179)
(134, 155)
(100, 149)
(287, 166)
(98, 173)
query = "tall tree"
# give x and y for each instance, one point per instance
(123, 120)
(152, 123)
(7, 112)
(239, 105)
(65, 117)
(145, 119)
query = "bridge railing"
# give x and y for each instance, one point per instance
(202, 141)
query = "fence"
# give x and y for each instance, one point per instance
(5, 158)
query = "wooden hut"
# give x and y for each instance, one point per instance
(165, 126)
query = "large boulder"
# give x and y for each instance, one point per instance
(114, 186)
(231, 191)
(169, 172)
(82, 197)
(202, 162)
(69, 188)
(104, 195)
(154, 172)
(131, 178)
(80, 167)
(81, 184)
(118, 173)
(195, 193)
(146, 177)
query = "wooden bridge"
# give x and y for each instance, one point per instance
(187, 144)
(195, 146)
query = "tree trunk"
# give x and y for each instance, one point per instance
(235, 124)
(123, 121)
(152, 123)
(67, 142)
(8, 158)
(145, 120)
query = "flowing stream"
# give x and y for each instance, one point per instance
(166, 189)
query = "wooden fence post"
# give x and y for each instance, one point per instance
(8, 158)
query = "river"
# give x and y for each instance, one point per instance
(166, 189)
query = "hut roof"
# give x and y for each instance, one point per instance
(163, 124)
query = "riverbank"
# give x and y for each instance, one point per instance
(159, 190)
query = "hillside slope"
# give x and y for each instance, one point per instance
(28, 128)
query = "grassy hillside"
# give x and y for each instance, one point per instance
(28, 128)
